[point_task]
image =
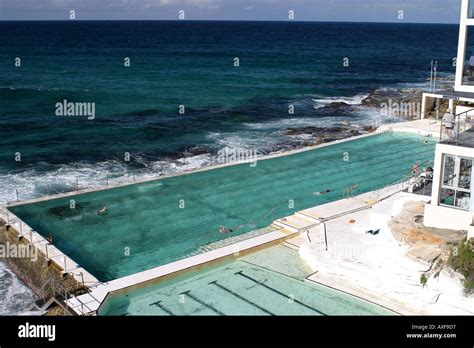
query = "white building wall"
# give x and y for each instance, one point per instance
(447, 217)
(461, 46)
(469, 110)
(441, 216)
(461, 57)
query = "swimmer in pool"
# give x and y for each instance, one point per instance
(103, 211)
(224, 230)
(320, 193)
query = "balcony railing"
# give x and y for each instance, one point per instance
(462, 134)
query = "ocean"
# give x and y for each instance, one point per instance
(166, 94)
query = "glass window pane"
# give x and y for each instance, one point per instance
(447, 197)
(463, 200)
(448, 172)
(468, 71)
(465, 171)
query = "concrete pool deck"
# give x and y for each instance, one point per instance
(307, 219)
(378, 268)
(425, 127)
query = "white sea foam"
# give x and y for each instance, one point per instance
(245, 140)
(33, 184)
(180, 165)
(321, 101)
(296, 122)
(11, 293)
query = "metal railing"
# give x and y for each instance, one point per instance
(53, 291)
(44, 295)
(462, 123)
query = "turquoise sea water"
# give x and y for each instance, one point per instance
(165, 220)
(269, 282)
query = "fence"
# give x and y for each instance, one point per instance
(463, 127)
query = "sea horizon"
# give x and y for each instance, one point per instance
(228, 20)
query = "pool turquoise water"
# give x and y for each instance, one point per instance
(154, 223)
(269, 282)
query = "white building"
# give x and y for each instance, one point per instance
(452, 200)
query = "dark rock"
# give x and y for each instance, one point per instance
(191, 152)
(65, 211)
(338, 105)
(333, 107)
(369, 129)
(314, 130)
(328, 140)
(354, 132)
(198, 150)
(305, 130)
(384, 95)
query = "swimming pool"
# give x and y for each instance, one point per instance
(268, 282)
(158, 222)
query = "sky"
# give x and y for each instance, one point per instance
(419, 11)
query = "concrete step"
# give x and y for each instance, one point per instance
(285, 227)
(311, 219)
(293, 223)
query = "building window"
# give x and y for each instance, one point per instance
(457, 181)
(470, 11)
(468, 71)
(465, 173)
(448, 173)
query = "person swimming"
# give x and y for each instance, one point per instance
(320, 193)
(224, 230)
(103, 211)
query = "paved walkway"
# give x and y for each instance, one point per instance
(378, 268)
(428, 127)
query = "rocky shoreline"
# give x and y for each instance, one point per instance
(304, 136)
(377, 99)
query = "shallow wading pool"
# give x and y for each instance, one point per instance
(268, 282)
